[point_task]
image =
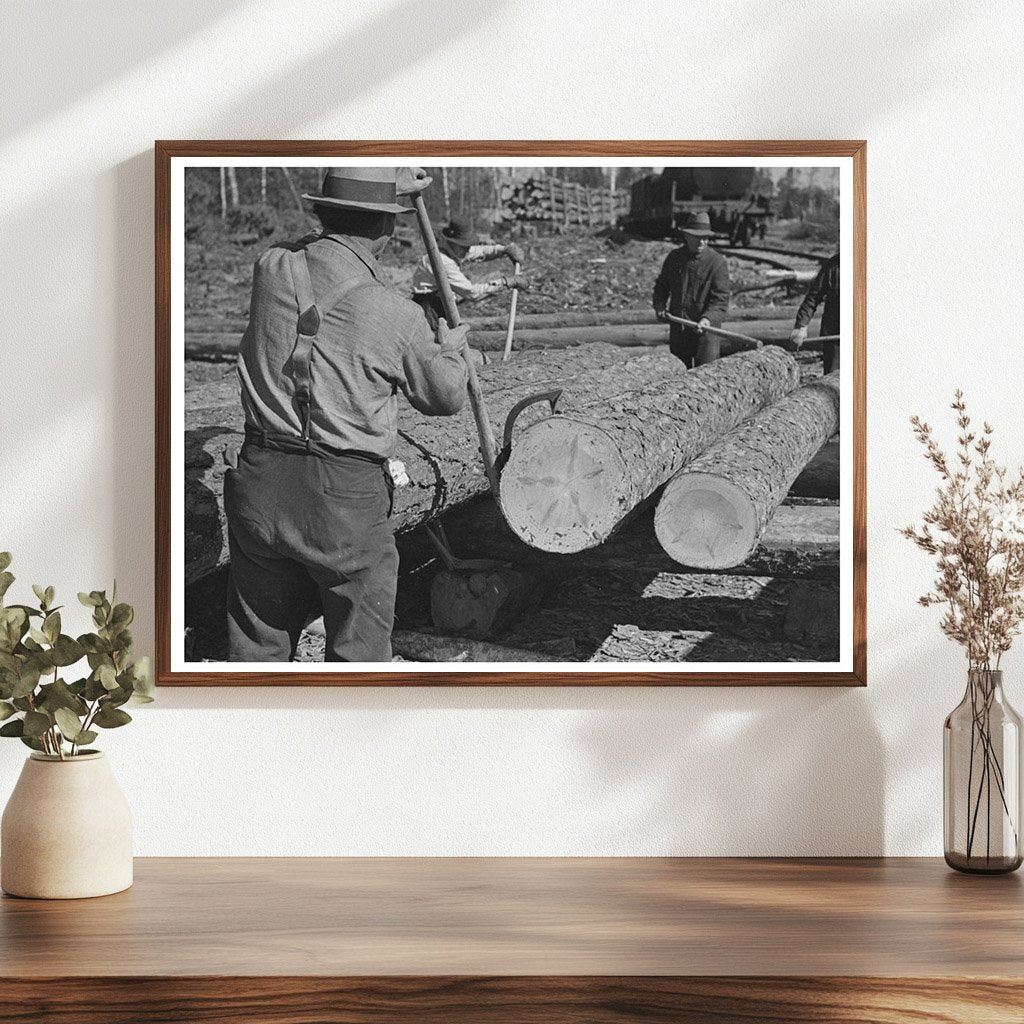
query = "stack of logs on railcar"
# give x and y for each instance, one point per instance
(548, 198)
(642, 467)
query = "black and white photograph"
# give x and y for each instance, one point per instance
(437, 414)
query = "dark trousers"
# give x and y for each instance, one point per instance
(829, 355)
(309, 534)
(692, 348)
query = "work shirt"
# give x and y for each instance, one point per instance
(371, 345)
(824, 288)
(694, 287)
(424, 282)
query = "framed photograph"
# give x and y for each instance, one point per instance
(492, 413)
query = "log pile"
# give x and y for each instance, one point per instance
(547, 198)
(713, 513)
(572, 479)
(440, 453)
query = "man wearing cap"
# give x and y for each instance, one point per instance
(326, 352)
(459, 244)
(693, 284)
(824, 288)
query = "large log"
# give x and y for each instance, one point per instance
(572, 479)
(441, 454)
(217, 347)
(712, 513)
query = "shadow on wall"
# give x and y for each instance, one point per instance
(113, 36)
(739, 771)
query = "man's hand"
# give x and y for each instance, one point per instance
(454, 339)
(520, 281)
(515, 253)
(661, 314)
(702, 323)
(798, 337)
(411, 180)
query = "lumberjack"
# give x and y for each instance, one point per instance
(694, 284)
(327, 349)
(459, 245)
(824, 288)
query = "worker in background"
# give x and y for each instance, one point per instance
(460, 245)
(693, 284)
(327, 349)
(824, 289)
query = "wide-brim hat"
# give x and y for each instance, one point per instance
(459, 232)
(697, 224)
(360, 188)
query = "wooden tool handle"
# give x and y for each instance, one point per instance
(451, 313)
(511, 318)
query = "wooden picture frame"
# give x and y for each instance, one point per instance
(173, 664)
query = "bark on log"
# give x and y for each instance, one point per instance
(441, 454)
(572, 479)
(713, 513)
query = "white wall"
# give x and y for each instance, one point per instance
(937, 90)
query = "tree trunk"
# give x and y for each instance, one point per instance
(233, 185)
(223, 194)
(572, 479)
(441, 453)
(713, 513)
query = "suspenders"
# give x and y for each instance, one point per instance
(311, 316)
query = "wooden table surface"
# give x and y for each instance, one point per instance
(561, 939)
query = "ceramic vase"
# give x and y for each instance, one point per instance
(66, 831)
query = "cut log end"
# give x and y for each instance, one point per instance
(706, 522)
(562, 489)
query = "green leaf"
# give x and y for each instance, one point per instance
(6, 710)
(94, 689)
(111, 718)
(94, 644)
(38, 636)
(15, 728)
(86, 736)
(5, 560)
(13, 626)
(89, 600)
(69, 724)
(40, 593)
(59, 695)
(107, 676)
(36, 723)
(50, 594)
(6, 579)
(27, 681)
(67, 651)
(51, 626)
(142, 682)
(31, 741)
(122, 616)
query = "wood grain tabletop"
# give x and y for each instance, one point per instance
(499, 917)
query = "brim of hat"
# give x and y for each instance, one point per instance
(466, 243)
(702, 232)
(347, 204)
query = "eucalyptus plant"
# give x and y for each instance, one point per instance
(37, 704)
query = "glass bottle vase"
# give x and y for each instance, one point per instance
(981, 770)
